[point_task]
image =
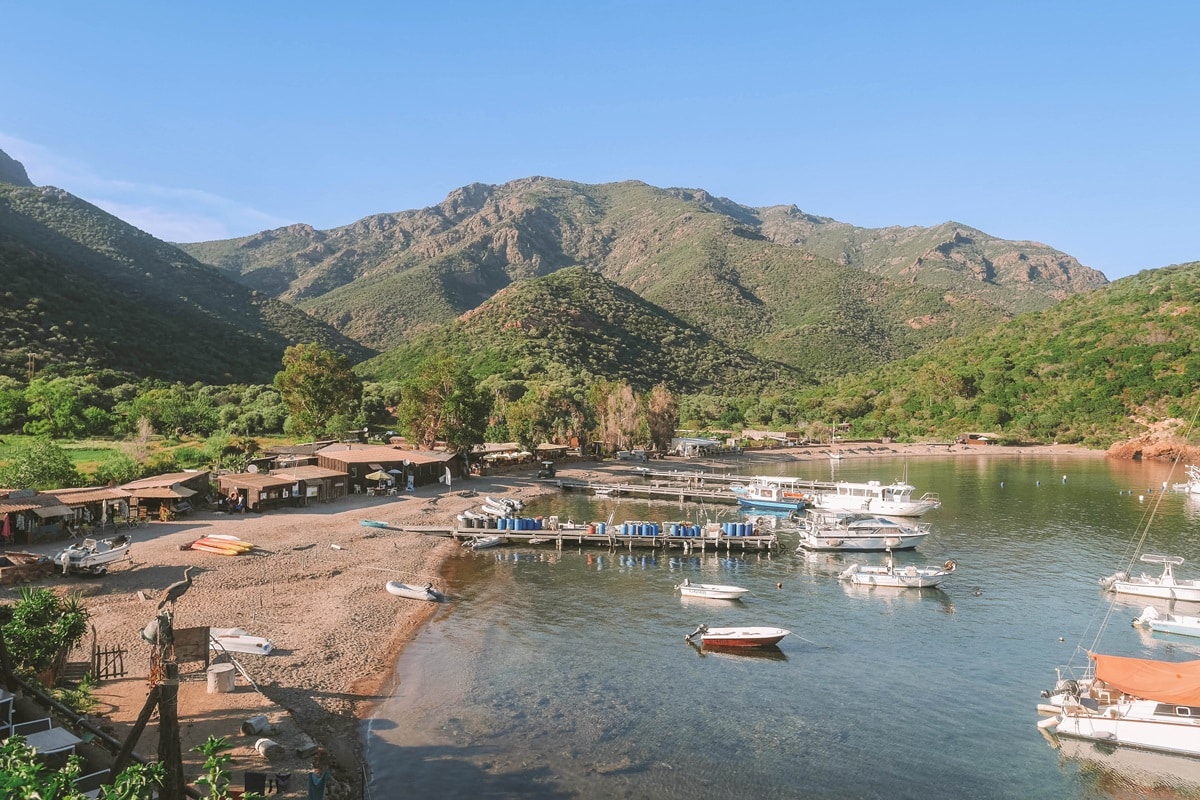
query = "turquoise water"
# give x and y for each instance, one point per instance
(565, 674)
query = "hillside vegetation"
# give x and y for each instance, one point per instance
(743, 276)
(1097, 367)
(578, 323)
(82, 290)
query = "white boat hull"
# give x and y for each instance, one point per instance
(236, 640)
(1133, 724)
(909, 577)
(483, 542)
(711, 591)
(1178, 624)
(426, 592)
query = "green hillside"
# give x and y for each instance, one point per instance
(575, 322)
(743, 276)
(83, 290)
(1095, 368)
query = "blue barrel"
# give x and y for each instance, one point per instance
(654, 529)
(674, 528)
(741, 529)
(624, 528)
(600, 527)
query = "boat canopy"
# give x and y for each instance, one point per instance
(1176, 682)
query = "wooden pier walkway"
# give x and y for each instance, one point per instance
(712, 536)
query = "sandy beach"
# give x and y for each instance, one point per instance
(314, 586)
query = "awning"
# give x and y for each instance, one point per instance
(1163, 681)
(45, 512)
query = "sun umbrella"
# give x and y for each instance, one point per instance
(378, 475)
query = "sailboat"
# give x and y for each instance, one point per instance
(834, 454)
(1128, 701)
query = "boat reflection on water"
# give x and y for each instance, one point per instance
(771, 652)
(899, 595)
(709, 602)
(1127, 772)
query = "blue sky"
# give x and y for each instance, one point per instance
(1072, 124)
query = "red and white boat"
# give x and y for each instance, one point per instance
(750, 636)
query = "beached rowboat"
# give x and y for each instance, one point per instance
(426, 592)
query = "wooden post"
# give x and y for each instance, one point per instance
(6, 669)
(170, 753)
(131, 741)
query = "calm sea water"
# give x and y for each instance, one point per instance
(565, 674)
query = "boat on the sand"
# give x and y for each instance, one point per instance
(426, 592)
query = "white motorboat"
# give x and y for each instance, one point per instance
(482, 542)
(712, 591)
(93, 556)
(1181, 624)
(1133, 702)
(859, 532)
(513, 504)
(1126, 701)
(1193, 483)
(893, 499)
(906, 577)
(426, 592)
(1163, 587)
(749, 636)
(773, 495)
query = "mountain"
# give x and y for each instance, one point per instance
(1115, 362)
(83, 290)
(575, 322)
(12, 171)
(744, 276)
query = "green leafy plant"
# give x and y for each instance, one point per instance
(41, 628)
(216, 768)
(24, 775)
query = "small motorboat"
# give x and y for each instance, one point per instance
(426, 592)
(752, 636)
(1164, 587)
(514, 505)
(483, 542)
(908, 577)
(712, 591)
(93, 556)
(1168, 623)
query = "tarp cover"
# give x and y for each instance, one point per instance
(1176, 682)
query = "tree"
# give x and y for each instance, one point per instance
(443, 402)
(316, 384)
(64, 407)
(662, 416)
(40, 465)
(617, 414)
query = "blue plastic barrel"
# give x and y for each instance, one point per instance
(600, 526)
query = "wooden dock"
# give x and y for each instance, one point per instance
(711, 536)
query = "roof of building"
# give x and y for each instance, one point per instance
(167, 479)
(307, 472)
(81, 497)
(376, 454)
(257, 480)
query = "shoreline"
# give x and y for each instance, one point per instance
(314, 586)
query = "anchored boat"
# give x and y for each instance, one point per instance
(712, 591)
(751, 636)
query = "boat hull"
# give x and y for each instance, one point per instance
(414, 592)
(712, 591)
(771, 505)
(1133, 725)
(742, 637)
(864, 544)
(1186, 592)
(901, 578)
